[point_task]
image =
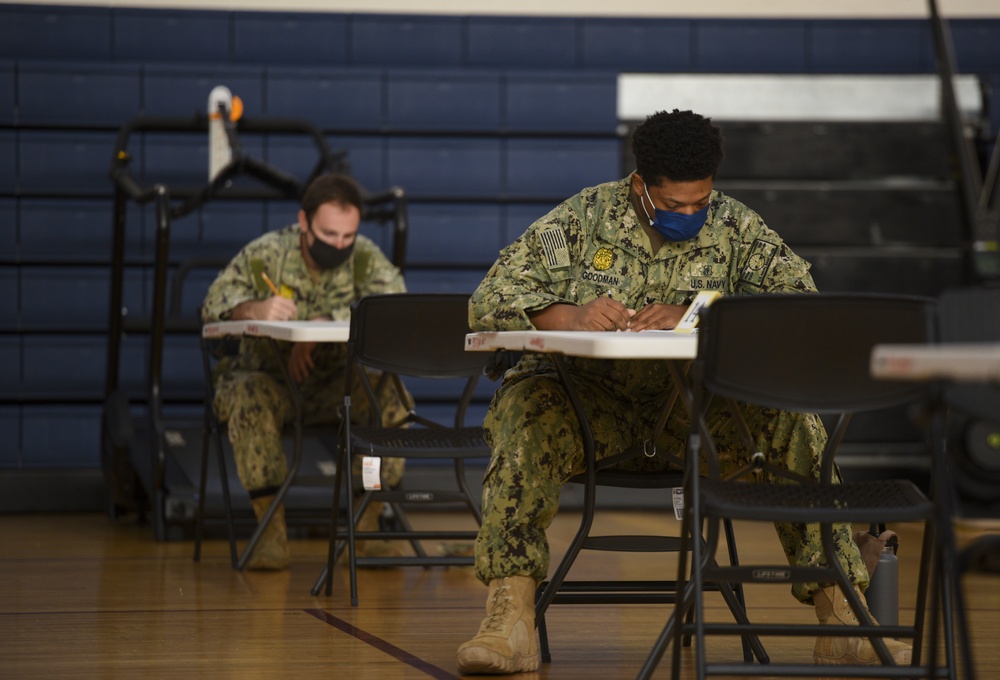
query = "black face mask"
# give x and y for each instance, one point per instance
(328, 257)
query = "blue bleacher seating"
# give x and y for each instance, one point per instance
(977, 49)
(8, 231)
(64, 163)
(444, 233)
(172, 35)
(10, 317)
(7, 104)
(10, 435)
(660, 45)
(181, 160)
(280, 214)
(61, 367)
(517, 217)
(760, 46)
(217, 230)
(8, 161)
(69, 297)
(457, 167)
(193, 293)
(561, 102)
(330, 98)
(61, 436)
(444, 280)
(367, 159)
(392, 40)
(293, 38)
(183, 89)
(881, 47)
(38, 32)
(185, 377)
(559, 168)
(10, 367)
(71, 230)
(522, 42)
(227, 227)
(77, 94)
(452, 100)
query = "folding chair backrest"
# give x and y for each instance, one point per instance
(414, 334)
(973, 315)
(808, 352)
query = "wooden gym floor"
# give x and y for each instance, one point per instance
(84, 596)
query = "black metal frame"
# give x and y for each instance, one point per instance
(979, 196)
(558, 590)
(843, 322)
(430, 322)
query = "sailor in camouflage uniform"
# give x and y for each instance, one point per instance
(321, 265)
(628, 256)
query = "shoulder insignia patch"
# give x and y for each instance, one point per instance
(758, 262)
(554, 247)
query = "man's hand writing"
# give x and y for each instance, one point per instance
(274, 308)
(657, 317)
(600, 314)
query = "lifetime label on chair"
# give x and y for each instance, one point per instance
(371, 466)
(678, 499)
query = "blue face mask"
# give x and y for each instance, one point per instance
(675, 226)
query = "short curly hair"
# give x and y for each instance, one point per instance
(680, 146)
(332, 188)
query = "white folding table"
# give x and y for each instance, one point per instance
(963, 362)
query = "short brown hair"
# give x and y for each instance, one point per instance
(332, 188)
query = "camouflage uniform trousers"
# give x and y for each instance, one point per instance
(256, 406)
(537, 446)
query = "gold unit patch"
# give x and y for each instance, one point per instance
(603, 259)
(554, 247)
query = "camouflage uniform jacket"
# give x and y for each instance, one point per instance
(328, 294)
(593, 245)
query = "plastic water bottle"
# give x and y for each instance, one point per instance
(883, 591)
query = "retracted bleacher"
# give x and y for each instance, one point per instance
(855, 173)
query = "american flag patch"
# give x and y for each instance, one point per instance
(554, 247)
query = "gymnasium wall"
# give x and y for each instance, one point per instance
(487, 118)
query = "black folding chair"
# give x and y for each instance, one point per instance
(800, 353)
(214, 439)
(968, 418)
(559, 590)
(420, 337)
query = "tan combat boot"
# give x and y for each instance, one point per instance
(506, 640)
(833, 609)
(271, 551)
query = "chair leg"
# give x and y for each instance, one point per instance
(332, 553)
(227, 503)
(202, 483)
(543, 633)
(212, 430)
(734, 559)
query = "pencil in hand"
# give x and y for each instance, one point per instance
(270, 283)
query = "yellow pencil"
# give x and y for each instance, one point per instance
(270, 283)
